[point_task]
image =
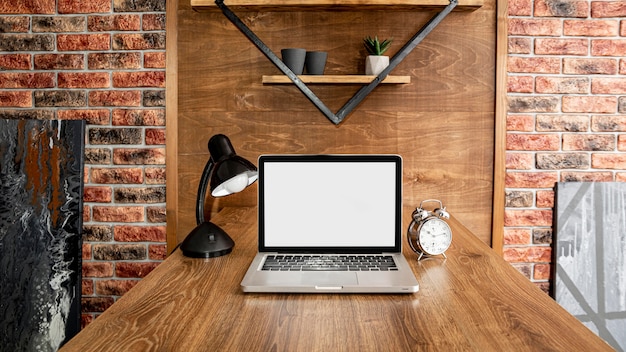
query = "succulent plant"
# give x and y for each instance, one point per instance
(376, 47)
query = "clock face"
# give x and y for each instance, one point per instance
(434, 236)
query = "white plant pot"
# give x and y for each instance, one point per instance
(375, 64)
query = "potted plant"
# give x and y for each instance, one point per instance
(376, 62)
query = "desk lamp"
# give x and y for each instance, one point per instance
(228, 174)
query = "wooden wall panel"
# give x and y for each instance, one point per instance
(442, 123)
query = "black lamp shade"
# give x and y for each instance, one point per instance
(232, 175)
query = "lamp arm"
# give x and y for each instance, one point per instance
(202, 187)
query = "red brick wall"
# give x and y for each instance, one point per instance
(566, 114)
(102, 61)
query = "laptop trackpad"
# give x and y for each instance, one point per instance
(331, 279)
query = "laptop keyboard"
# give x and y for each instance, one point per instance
(329, 263)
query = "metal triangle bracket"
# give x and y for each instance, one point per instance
(362, 93)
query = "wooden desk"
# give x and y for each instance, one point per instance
(472, 301)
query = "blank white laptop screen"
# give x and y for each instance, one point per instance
(329, 204)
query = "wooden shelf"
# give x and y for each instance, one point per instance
(335, 79)
(444, 8)
(291, 5)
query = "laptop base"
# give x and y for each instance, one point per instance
(401, 281)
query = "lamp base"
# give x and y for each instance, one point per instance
(207, 240)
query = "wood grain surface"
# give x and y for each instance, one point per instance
(471, 301)
(441, 123)
(289, 5)
(334, 79)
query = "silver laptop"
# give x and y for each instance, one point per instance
(330, 223)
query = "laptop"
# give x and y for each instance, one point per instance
(330, 223)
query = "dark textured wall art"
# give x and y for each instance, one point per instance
(41, 183)
(590, 256)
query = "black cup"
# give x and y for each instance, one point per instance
(315, 62)
(294, 59)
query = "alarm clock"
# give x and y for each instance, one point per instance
(429, 234)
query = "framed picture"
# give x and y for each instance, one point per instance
(41, 190)
(590, 256)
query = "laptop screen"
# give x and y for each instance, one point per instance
(330, 203)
